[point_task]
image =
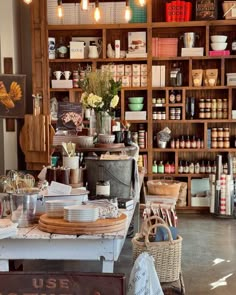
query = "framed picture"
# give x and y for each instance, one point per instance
(70, 116)
(12, 96)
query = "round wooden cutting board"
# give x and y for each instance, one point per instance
(100, 226)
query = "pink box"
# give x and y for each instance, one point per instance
(219, 52)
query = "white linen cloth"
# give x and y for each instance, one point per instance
(143, 278)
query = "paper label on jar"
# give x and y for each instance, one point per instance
(102, 190)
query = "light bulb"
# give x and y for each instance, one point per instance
(142, 2)
(27, 1)
(128, 12)
(97, 13)
(59, 9)
(84, 4)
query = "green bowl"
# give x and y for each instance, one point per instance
(136, 106)
(137, 99)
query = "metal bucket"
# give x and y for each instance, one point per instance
(118, 172)
(23, 208)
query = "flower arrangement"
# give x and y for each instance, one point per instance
(100, 91)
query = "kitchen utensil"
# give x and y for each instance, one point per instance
(218, 38)
(219, 46)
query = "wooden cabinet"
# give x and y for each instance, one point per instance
(155, 27)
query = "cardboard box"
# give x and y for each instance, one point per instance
(120, 69)
(62, 84)
(76, 50)
(128, 70)
(163, 76)
(126, 81)
(135, 81)
(196, 51)
(156, 76)
(136, 69)
(112, 69)
(139, 115)
(143, 81)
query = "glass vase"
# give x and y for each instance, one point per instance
(103, 123)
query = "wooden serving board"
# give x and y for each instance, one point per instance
(110, 146)
(61, 226)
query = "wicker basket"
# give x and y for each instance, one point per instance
(162, 187)
(167, 254)
(229, 8)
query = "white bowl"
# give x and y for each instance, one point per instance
(218, 46)
(85, 141)
(218, 38)
(106, 138)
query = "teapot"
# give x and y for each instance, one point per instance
(94, 51)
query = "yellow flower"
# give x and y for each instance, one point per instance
(94, 101)
(114, 101)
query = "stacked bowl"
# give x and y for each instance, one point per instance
(136, 103)
(218, 42)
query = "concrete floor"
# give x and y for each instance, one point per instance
(208, 256)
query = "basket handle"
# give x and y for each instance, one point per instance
(155, 226)
(148, 223)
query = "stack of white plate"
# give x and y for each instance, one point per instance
(81, 213)
(55, 208)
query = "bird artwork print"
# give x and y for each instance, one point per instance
(8, 99)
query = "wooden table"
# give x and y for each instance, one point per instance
(31, 243)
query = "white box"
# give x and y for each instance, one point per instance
(128, 70)
(143, 81)
(76, 50)
(136, 42)
(139, 115)
(231, 79)
(136, 81)
(120, 69)
(104, 68)
(136, 69)
(112, 69)
(200, 202)
(200, 192)
(195, 51)
(163, 76)
(89, 41)
(117, 48)
(156, 76)
(233, 114)
(62, 84)
(126, 81)
(143, 69)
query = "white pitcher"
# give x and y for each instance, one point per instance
(94, 51)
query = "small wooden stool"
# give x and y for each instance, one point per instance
(174, 288)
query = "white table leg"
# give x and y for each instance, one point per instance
(108, 266)
(4, 265)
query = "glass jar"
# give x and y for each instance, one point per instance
(163, 100)
(219, 103)
(214, 133)
(158, 115)
(213, 114)
(208, 103)
(226, 142)
(225, 113)
(163, 115)
(214, 143)
(154, 101)
(201, 103)
(178, 97)
(220, 132)
(172, 97)
(154, 115)
(207, 113)
(225, 103)
(202, 113)
(213, 103)
(226, 132)
(220, 143)
(219, 114)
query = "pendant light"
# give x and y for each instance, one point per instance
(84, 4)
(97, 12)
(27, 1)
(128, 12)
(60, 11)
(142, 2)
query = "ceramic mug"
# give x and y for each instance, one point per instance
(58, 74)
(67, 74)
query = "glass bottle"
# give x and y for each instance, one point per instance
(172, 96)
(172, 143)
(154, 167)
(208, 167)
(193, 142)
(182, 142)
(160, 168)
(62, 50)
(172, 167)
(186, 167)
(197, 168)
(191, 168)
(180, 168)
(177, 143)
(167, 168)
(187, 143)
(178, 97)
(202, 167)
(213, 167)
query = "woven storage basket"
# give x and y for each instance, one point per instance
(162, 187)
(167, 254)
(229, 8)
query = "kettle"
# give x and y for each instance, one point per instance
(94, 51)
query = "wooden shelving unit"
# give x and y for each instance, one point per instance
(154, 27)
